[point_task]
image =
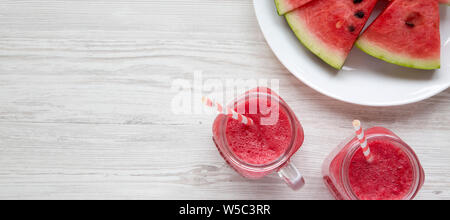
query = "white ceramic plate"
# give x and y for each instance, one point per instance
(364, 80)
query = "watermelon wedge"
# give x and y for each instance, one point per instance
(285, 6)
(406, 34)
(329, 28)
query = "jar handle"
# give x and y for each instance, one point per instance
(290, 174)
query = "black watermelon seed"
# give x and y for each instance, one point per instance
(359, 14)
(413, 19)
(351, 28)
(410, 24)
(357, 1)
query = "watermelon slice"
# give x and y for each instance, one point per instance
(406, 34)
(285, 6)
(329, 28)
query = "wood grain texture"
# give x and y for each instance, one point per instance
(85, 88)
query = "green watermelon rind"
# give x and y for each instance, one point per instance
(310, 41)
(390, 57)
(281, 8)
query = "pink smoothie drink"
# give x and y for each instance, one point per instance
(259, 144)
(394, 174)
(266, 146)
(389, 176)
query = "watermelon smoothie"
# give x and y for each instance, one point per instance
(259, 144)
(266, 146)
(394, 174)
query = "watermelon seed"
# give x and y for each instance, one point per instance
(351, 28)
(414, 19)
(359, 14)
(411, 25)
(357, 1)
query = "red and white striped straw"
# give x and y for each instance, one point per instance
(362, 140)
(228, 111)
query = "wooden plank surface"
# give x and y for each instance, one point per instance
(85, 91)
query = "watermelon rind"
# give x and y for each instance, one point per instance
(372, 49)
(281, 7)
(331, 56)
(286, 6)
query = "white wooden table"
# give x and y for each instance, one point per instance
(85, 91)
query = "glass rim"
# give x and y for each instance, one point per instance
(282, 159)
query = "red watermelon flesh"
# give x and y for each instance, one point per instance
(285, 6)
(329, 28)
(406, 34)
(445, 1)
